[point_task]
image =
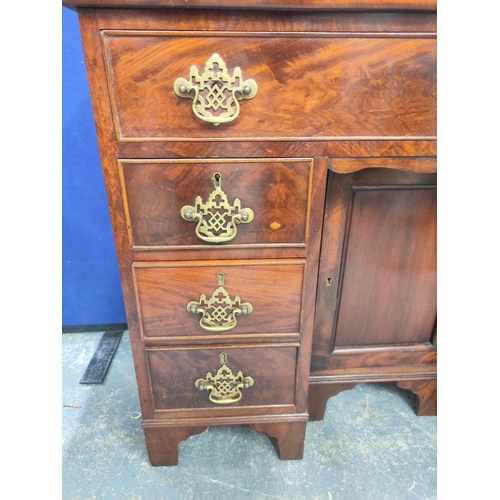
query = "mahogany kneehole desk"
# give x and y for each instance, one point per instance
(271, 182)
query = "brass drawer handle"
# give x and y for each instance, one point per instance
(217, 219)
(215, 89)
(219, 311)
(224, 386)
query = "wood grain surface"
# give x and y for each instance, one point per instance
(288, 438)
(174, 372)
(340, 147)
(309, 86)
(426, 395)
(265, 4)
(319, 394)
(344, 85)
(423, 165)
(274, 290)
(376, 303)
(163, 442)
(302, 21)
(277, 192)
(389, 274)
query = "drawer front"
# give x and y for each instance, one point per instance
(309, 86)
(266, 373)
(270, 200)
(207, 299)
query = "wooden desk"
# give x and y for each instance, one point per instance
(238, 146)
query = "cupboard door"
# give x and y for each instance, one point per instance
(377, 287)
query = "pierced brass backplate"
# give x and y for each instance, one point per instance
(224, 386)
(219, 311)
(215, 93)
(216, 220)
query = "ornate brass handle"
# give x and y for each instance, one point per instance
(224, 386)
(216, 90)
(216, 220)
(219, 311)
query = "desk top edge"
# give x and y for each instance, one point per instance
(345, 5)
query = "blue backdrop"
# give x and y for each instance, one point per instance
(90, 280)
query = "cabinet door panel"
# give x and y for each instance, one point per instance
(388, 292)
(377, 286)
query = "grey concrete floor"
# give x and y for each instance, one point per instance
(370, 446)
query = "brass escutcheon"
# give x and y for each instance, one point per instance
(224, 386)
(219, 311)
(217, 220)
(215, 93)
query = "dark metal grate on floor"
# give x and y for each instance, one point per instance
(100, 362)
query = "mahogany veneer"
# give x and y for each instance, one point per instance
(172, 368)
(376, 298)
(312, 86)
(345, 112)
(277, 191)
(274, 288)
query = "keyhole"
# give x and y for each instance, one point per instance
(217, 180)
(220, 278)
(329, 281)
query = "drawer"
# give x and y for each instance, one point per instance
(181, 376)
(207, 299)
(308, 86)
(254, 203)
